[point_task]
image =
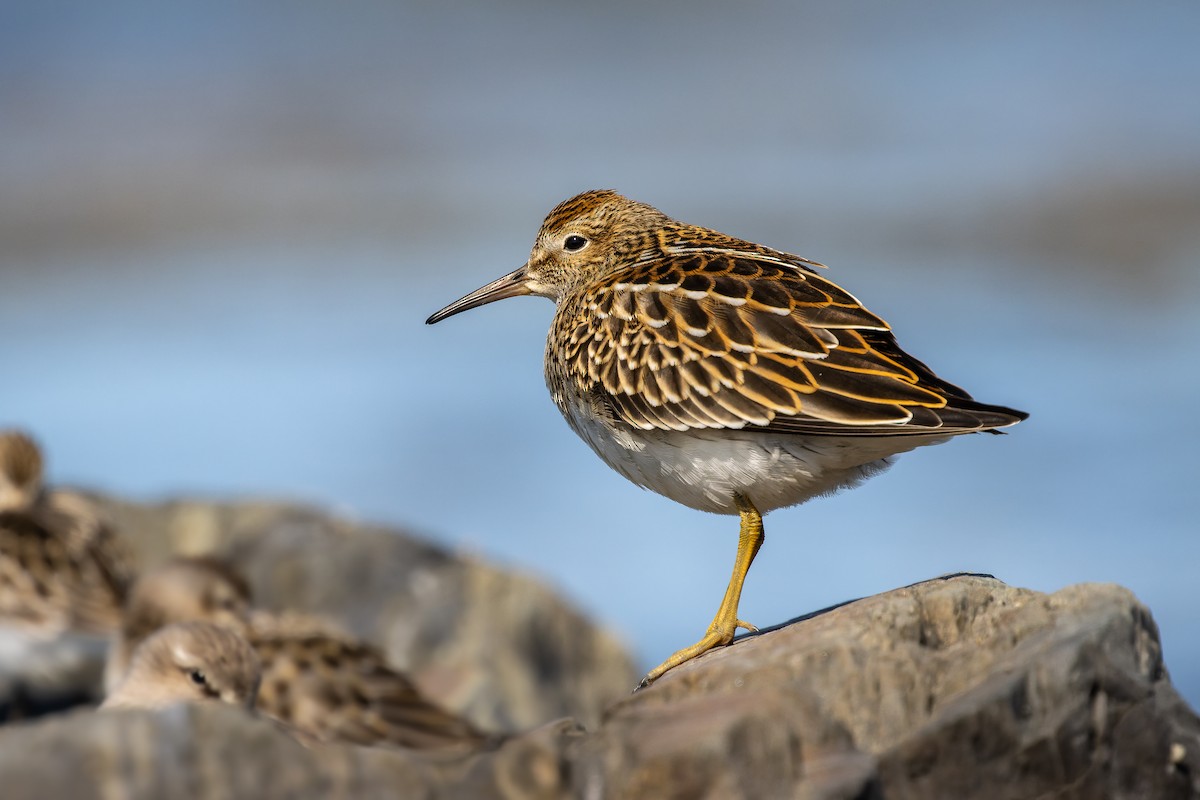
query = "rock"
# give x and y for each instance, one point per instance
(497, 647)
(960, 687)
(217, 750)
(206, 750)
(43, 676)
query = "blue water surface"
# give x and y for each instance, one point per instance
(222, 227)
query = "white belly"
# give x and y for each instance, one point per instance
(704, 469)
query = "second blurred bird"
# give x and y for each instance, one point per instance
(316, 679)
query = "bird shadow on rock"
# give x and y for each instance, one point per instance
(821, 612)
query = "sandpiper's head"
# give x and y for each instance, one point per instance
(183, 590)
(20, 470)
(580, 240)
(190, 662)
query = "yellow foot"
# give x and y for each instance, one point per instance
(711, 640)
(716, 637)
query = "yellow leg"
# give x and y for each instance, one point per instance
(726, 622)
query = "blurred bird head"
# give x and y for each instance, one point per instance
(189, 662)
(20, 471)
(183, 590)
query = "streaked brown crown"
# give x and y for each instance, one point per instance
(616, 231)
(677, 327)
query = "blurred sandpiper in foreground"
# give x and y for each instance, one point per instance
(322, 684)
(62, 568)
(728, 376)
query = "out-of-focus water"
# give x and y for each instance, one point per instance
(221, 230)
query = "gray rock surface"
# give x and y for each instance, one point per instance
(957, 687)
(960, 687)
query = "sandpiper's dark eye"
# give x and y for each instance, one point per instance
(198, 677)
(574, 242)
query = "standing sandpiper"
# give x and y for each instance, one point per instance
(728, 376)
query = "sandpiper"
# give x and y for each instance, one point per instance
(319, 681)
(726, 375)
(61, 567)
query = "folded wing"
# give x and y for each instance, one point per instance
(724, 338)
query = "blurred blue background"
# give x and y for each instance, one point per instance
(222, 226)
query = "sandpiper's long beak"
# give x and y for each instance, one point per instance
(511, 285)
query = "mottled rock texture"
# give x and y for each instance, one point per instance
(960, 687)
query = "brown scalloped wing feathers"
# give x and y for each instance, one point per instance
(732, 337)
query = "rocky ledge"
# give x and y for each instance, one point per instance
(959, 687)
